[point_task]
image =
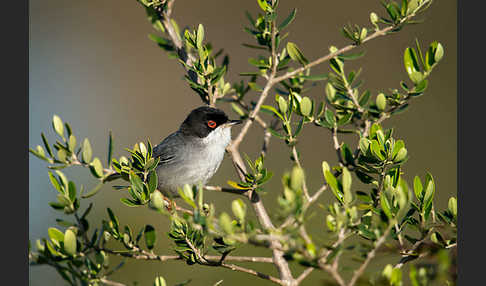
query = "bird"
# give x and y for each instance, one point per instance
(192, 154)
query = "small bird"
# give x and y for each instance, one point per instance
(192, 154)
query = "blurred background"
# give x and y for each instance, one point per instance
(92, 64)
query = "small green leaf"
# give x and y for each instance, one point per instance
(55, 183)
(96, 167)
(129, 202)
(136, 182)
(263, 5)
(381, 101)
(297, 178)
(429, 190)
(58, 125)
(416, 77)
(110, 149)
(225, 223)
(200, 35)
(306, 106)
(55, 235)
(439, 52)
(152, 181)
(72, 143)
(157, 200)
(325, 167)
(410, 60)
(159, 281)
(418, 189)
(87, 152)
(330, 92)
(452, 206)
(347, 196)
(296, 54)
(401, 155)
(93, 192)
(333, 183)
(282, 105)
(150, 236)
(70, 242)
(385, 205)
(288, 20)
(364, 145)
(239, 209)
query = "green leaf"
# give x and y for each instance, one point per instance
(129, 202)
(329, 116)
(225, 223)
(429, 190)
(70, 242)
(364, 145)
(385, 205)
(333, 183)
(325, 167)
(46, 144)
(58, 125)
(418, 189)
(439, 52)
(55, 183)
(381, 102)
(288, 20)
(96, 167)
(263, 5)
(93, 192)
(272, 109)
(157, 200)
(282, 105)
(347, 196)
(416, 77)
(376, 150)
(159, 281)
(401, 155)
(150, 236)
(200, 36)
(239, 209)
(152, 181)
(72, 191)
(296, 54)
(55, 235)
(315, 77)
(306, 106)
(410, 60)
(87, 152)
(452, 206)
(113, 219)
(136, 182)
(297, 178)
(110, 149)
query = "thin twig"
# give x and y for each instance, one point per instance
(304, 274)
(297, 161)
(370, 255)
(252, 272)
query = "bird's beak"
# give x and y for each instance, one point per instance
(232, 122)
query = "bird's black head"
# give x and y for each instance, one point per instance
(203, 120)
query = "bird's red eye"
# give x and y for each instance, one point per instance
(211, 124)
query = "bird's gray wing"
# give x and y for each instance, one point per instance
(167, 149)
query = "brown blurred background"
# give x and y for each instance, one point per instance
(92, 64)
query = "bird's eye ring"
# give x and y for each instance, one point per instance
(211, 123)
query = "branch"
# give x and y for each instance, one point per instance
(377, 33)
(370, 256)
(252, 272)
(297, 161)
